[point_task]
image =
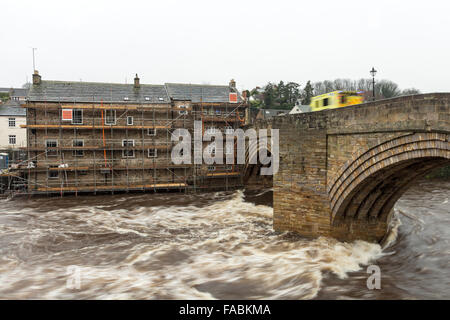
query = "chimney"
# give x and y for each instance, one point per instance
(136, 82)
(232, 84)
(36, 78)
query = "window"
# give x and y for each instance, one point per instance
(78, 152)
(11, 122)
(12, 139)
(127, 153)
(343, 99)
(110, 117)
(218, 111)
(152, 153)
(229, 167)
(325, 102)
(147, 98)
(53, 174)
(151, 131)
(77, 116)
(183, 112)
(211, 168)
(129, 120)
(51, 144)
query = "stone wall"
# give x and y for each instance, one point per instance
(372, 152)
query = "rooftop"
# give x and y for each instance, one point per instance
(12, 108)
(199, 92)
(269, 113)
(16, 92)
(77, 91)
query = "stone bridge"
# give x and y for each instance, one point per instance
(342, 170)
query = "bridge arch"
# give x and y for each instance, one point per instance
(368, 187)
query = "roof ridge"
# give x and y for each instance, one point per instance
(106, 83)
(196, 84)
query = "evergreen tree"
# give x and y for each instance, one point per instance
(308, 93)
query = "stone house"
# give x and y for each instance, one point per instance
(91, 137)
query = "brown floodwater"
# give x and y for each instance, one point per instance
(212, 246)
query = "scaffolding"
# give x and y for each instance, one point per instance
(114, 147)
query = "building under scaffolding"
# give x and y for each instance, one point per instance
(103, 137)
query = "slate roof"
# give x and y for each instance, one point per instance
(270, 113)
(75, 91)
(199, 92)
(12, 108)
(17, 92)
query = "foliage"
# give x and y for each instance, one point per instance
(276, 96)
(384, 89)
(442, 173)
(286, 96)
(4, 97)
(307, 94)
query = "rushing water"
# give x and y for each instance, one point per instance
(211, 246)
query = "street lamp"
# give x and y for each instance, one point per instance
(373, 72)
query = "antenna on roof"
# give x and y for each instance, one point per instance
(34, 61)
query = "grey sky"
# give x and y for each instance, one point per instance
(214, 41)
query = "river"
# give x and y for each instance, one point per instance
(212, 246)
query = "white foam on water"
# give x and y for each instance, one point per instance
(223, 250)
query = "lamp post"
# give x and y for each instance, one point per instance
(373, 72)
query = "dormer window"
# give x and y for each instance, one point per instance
(147, 98)
(161, 99)
(126, 98)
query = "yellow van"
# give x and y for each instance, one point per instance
(336, 99)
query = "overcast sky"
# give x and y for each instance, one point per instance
(214, 41)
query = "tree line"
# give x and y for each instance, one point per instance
(285, 95)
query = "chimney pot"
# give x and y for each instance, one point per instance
(136, 82)
(36, 78)
(232, 84)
